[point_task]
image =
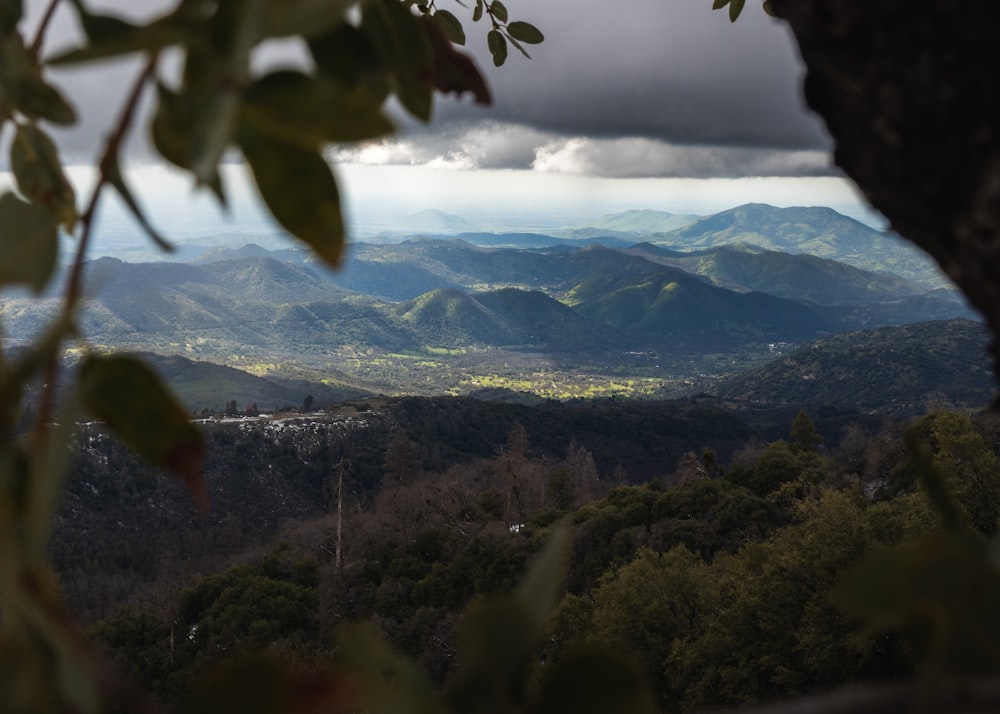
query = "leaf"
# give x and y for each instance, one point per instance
(735, 8)
(260, 684)
(518, 46)
(541, 587)
(347, 55)
(453, 71)
(29, 243)
(593, 681)
(10, 15)
(769, 8)
(525, 32)
(298, 109)
(497, 46)
(451, 25)
(171, 134)
(110, 36)
(402, 46)
(477, 14)
(22, 87)
(299, 189)
(307, 18)
(381, 680)
(113, 174)
(499, 10)
(719, 4)
(498, 642)
(48, 473)
(39, 174)
(942, 589)
(132, 400)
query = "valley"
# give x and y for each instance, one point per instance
(643, 305)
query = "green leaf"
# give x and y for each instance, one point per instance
(171, 134)
(497, 45)
(298, 109)
(453, 71)
(347, 55)
(40, 178)
(593, 681)
(114, 176)
(735, 8)
(22, 87)
(499, 10)
(10, 15)
(769, 8)
(719, 4)
(402, 46)
(541, 587)
(517, 45)
(306, 18)
(525, 32)
(299, 189)
(497, 649)
(477, 14)
(385, 682)
(29, 243)
(451, 25)
(133, 401)
(110, 36)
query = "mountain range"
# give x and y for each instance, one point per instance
(433, 306)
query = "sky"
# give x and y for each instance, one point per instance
(660, 104)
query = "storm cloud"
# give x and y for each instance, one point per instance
(639, 88)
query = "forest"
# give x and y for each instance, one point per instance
(724, 570)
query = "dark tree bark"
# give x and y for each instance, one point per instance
(909, 92)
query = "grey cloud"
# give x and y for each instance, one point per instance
(670, 72)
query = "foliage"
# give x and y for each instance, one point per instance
(281, 121)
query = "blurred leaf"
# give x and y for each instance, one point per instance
(401, 44)
(383, 682)
(10, 15)
(48, 473)
(40, 178)
(131, 398)
(593, 682)
(299, 189)
(477, 14)
(257, 684)
(719, 4)
(114, 176)
(921, 460)
(454, 71)
(451, 25)
(942, 590)
(542, 586)
(347, 55)
(769, 8)
(29, 243)
(497, 46)
(735, 8)
(298, 109)
(308, 18)
(525, 32)
(499, 10)
(171, 134)
(22, 87)
(110, 36)
(497, 649)
(215, 72)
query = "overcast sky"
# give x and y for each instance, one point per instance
(620, 99)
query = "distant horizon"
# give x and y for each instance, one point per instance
(378, 198)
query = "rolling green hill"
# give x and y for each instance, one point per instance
(817, 231)
(892, 369)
